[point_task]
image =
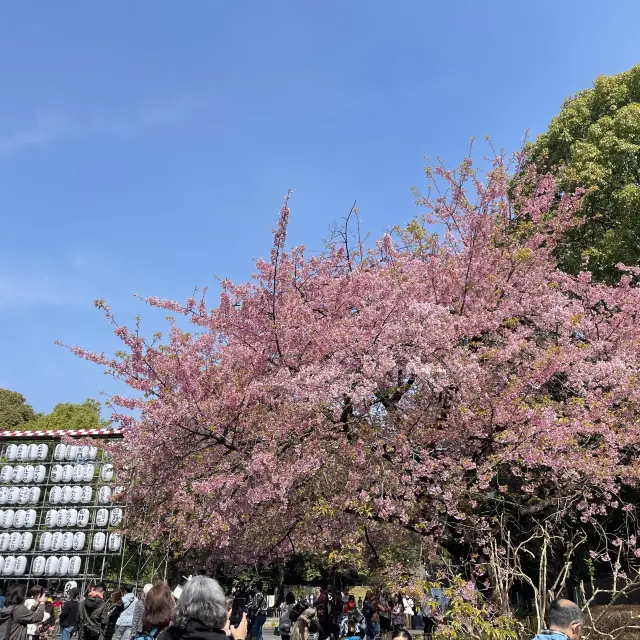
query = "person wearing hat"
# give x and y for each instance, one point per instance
(69, 614)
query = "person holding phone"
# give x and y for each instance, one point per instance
(15, 616)
(36, 594)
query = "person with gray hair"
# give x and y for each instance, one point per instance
(565, 622)
(202, 614)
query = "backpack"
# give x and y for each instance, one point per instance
(297, 610)
(284, 626)
(90, 626)
(152, 635)
(367, 609)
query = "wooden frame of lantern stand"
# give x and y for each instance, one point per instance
(93, 563)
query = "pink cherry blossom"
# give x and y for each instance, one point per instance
(447, 378)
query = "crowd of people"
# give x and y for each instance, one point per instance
(339, 615)
(201, 612)
(204, 612)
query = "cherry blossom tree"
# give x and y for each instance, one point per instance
(449, 382)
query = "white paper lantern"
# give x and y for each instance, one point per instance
(99, 540)
(22, 453)
(14, 541)
(4, 542)
(21, 566)
(4, 495)
(9, 517)
(19, 518)
(51, 566)
(56, 541)
(84, 453)
(29, 473)
(9, 566)
(13, 495)
(60, 451)
(67, 473)
(101, 518)
(18, 474)
(56, 473)
(24, 495)
(33, 452)
(62, 518)
(72, 518)
(89, 470)
(107, 472)
(78, 472)
(72, 452)
(76, 494)
(115, 541)
(67, 541)
(1, 519)
(6, 474)
(12, 452)
(45, 541)
(30, 517)
(115, 517)
(37, 566)
(74, 566)
(40, 474)
(93, 453)
(104, 495)
(65, 496)
(54, 495)
(87, 494)
(34, 495)
(63, 566)
(83, 517)
(26, 541)
(1, 564)
(78, 541)
(43, 452)
(51, 518)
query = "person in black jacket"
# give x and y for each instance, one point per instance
(115, 608)
(14, 616)
(93, 615)
(69, 615)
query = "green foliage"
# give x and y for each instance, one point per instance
(16, 414)
(67, 415)
(14, 410)
(143, 565)
(594, 143)
(468, 614)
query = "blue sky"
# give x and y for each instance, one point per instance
(146, 146)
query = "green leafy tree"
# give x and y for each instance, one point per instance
(67, 415)
(594, 143)
(14, 410)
